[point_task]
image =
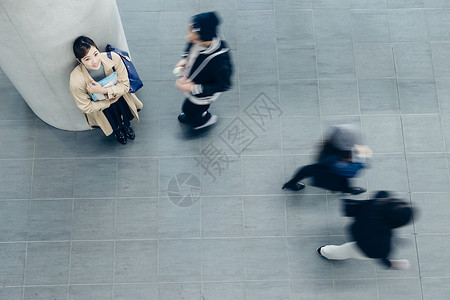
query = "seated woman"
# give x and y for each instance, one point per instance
(114, 113)
(336, 163)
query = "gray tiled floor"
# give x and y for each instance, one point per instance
(82, 217)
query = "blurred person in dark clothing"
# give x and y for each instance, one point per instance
(371, 231)
(341, 157)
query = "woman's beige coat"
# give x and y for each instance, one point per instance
(93, 110)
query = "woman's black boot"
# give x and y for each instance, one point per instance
(121, 137)
(129, 132)
(293, 186)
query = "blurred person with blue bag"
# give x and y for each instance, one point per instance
(341, 157)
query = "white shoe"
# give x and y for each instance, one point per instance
(210, 122)
(400, 264)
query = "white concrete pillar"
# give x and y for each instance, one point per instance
(36, 54)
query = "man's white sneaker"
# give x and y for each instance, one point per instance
(400, 264)
(210, 122)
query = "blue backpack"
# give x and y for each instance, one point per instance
(135, 81)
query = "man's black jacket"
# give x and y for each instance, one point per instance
(211, 72)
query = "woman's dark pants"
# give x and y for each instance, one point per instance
(322, 178)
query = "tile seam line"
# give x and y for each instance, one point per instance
(280, 121)
(29, 207)
(427, 18)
